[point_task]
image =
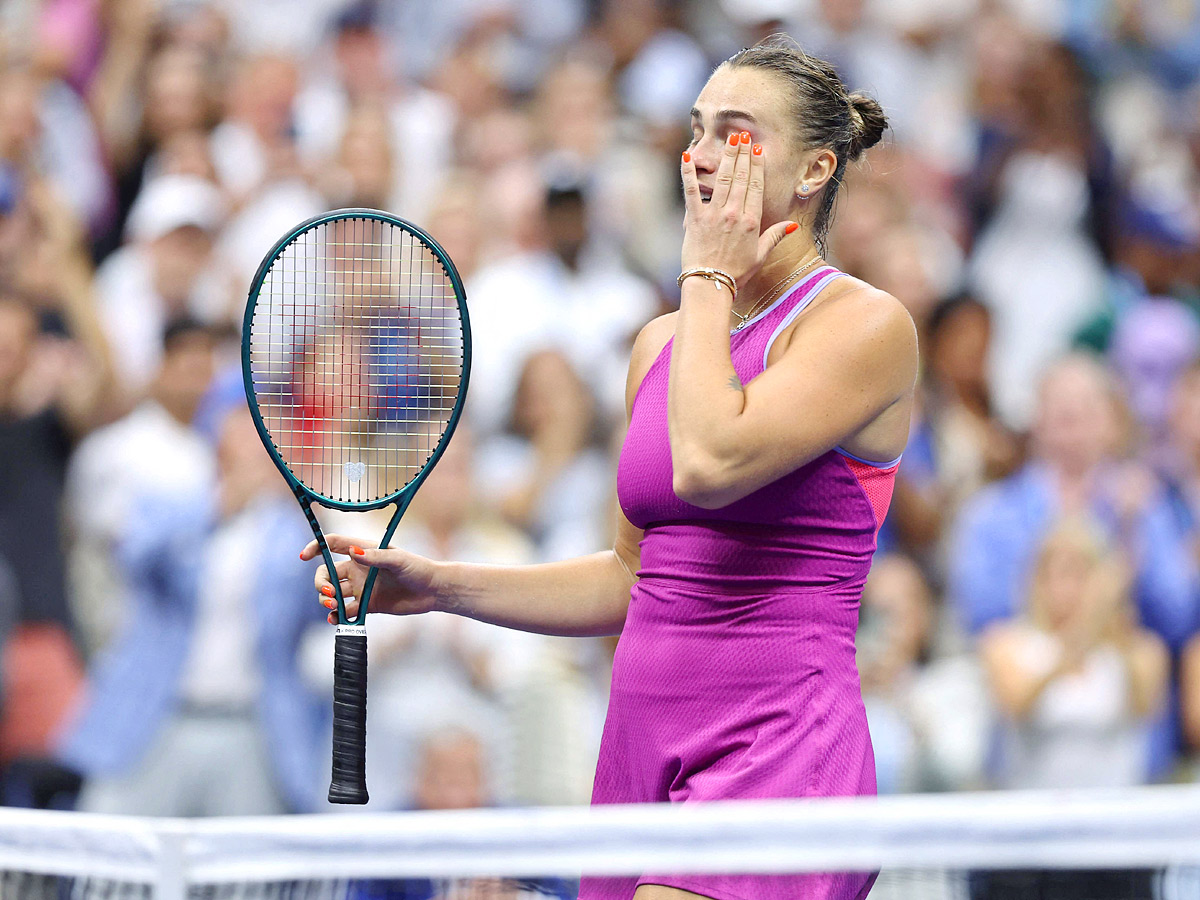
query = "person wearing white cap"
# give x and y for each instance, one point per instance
(162, 272)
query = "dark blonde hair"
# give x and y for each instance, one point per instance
(1081, 536)
(825, 114)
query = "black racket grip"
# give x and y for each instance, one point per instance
(349, 784)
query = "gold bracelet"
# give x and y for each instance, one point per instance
(714, 275)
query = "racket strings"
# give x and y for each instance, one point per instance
(356, 355)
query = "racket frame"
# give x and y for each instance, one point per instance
(306, 496)
(348, 784)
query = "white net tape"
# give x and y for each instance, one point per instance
(66, 855)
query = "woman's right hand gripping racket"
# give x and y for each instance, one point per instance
(355, 353)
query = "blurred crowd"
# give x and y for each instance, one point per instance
(1033, 615)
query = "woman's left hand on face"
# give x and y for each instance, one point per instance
(726, 231)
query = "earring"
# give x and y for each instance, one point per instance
(804, 188)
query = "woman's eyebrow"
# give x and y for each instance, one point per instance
(724, 115)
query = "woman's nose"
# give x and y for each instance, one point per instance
(707, 154)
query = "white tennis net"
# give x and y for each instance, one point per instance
(1132, 844)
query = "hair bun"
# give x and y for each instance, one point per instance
(869, 123)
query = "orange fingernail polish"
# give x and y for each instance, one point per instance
(329, 604)
(757, 150)
(687, 157)
(791, 226)
(733, 139)
(357, 551)
(327, 590)
(745, 137)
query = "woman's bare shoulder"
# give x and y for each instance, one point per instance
(855, 304)
(646, 348)
(653, 337)
(850, 311)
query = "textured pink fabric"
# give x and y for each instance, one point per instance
(877, 483)
(735, 674)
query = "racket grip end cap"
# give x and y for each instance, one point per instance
(348, 794)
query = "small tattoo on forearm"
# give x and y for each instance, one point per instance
(735, 383)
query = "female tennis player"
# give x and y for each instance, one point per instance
(766, 421)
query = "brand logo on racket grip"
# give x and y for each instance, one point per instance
(355, 470)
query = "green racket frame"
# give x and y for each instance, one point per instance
(349, 752)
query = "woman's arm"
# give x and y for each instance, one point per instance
(1149, 666)
(588, 595)
(579, 597)
(1014, 686)
(1189, 691)
(87, 394)
(128, 32)
(854, 358)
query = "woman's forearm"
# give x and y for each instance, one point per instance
(580, 597)
(705, 396)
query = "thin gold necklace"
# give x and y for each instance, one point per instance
(773, 293)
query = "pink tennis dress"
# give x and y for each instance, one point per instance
(735, 676)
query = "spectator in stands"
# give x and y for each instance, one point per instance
(1189, 695)
(574, 294)
(362, 170)
(549, 474)
(957, 444)
(1075, 469)
(45, 129)
(452, 771)
(1180, 465)
(1075, 679)
(1135, 39)
(928, 715)
(360, 111)
(1153, 343)
(258, 123)
(197, 708)
(1181, 471)
(177, 98)
(1157, 238)
(456, 222)
(153, 450)
(56, 384)
(1044, 196)
(163, 273)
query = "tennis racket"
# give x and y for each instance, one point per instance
(356, 352)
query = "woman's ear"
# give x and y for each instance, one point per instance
(815, 171)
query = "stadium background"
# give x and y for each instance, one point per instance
(1036, 206)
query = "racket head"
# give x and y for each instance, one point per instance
(356, 355)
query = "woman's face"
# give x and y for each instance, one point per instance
(551, 392)
(746, 99)
(1065, 573)
(1077, 423)
(177, 94)
(960, 348)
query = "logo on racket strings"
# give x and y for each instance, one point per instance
(355, 470)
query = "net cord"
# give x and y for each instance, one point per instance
(1144, 827)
